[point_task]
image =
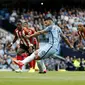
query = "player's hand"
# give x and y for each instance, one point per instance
(30, 49)
(8, 46)
(71, 46)
(74, 49)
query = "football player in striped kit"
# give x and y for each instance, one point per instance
(26, 45)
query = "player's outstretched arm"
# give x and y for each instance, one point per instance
(66, 40)
(36, 34)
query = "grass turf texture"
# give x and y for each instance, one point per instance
(50, 78)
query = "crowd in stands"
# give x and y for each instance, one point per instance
(67, 19)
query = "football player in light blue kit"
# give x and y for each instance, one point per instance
(51, 48)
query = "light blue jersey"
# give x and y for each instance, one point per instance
(53, 46)
(54, 35)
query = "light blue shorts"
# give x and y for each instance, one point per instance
(46, 51)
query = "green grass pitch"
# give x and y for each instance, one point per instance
(50, 78)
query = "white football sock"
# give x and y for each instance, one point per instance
(28, 59)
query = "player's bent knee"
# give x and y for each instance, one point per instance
(36, 56)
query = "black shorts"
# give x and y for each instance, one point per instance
(25, 48)
(22, 49)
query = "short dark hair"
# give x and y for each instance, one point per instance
(25, 23)
(48, 18)
(19, 22)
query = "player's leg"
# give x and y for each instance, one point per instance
(43, 52)
(41, 66)
(32, 66)
(31, 63)
(20, 52)
(29, 50)
(58, 57)
(20, 57)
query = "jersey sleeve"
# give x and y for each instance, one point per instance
(59, 30)
(47, 29)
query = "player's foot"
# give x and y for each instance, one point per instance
(43, 72)
(18, 71)
(31, 70)
(19, 63)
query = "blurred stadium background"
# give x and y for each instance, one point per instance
(65, 13)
